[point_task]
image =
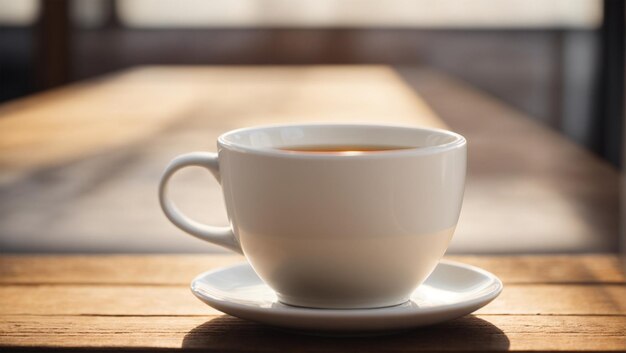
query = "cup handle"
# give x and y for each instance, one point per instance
(222, 236)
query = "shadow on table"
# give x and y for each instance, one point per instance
(229, 333)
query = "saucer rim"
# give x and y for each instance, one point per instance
(397, 310)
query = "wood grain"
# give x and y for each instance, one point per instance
(109, 269)
(227, 334)
(139, 303)
(180, 269)
(141, 300)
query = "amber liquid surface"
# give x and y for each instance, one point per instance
(343, 149)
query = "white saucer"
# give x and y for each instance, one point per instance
(452, 290)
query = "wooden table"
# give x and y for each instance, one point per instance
(138, 303)
(79, 166)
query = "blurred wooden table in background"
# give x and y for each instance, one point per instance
(79, 166)
(141, 303)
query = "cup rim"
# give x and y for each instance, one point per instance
(457, 142)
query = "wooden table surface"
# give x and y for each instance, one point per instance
(79, 166)
(549, 303)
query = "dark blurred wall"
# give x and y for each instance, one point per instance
(17, 48)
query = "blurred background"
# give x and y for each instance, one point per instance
(536, 86)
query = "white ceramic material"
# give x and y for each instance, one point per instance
(334, 230)
(451, 291)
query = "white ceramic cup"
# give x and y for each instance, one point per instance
(334, 230)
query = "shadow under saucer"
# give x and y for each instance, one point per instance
(229, 333)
